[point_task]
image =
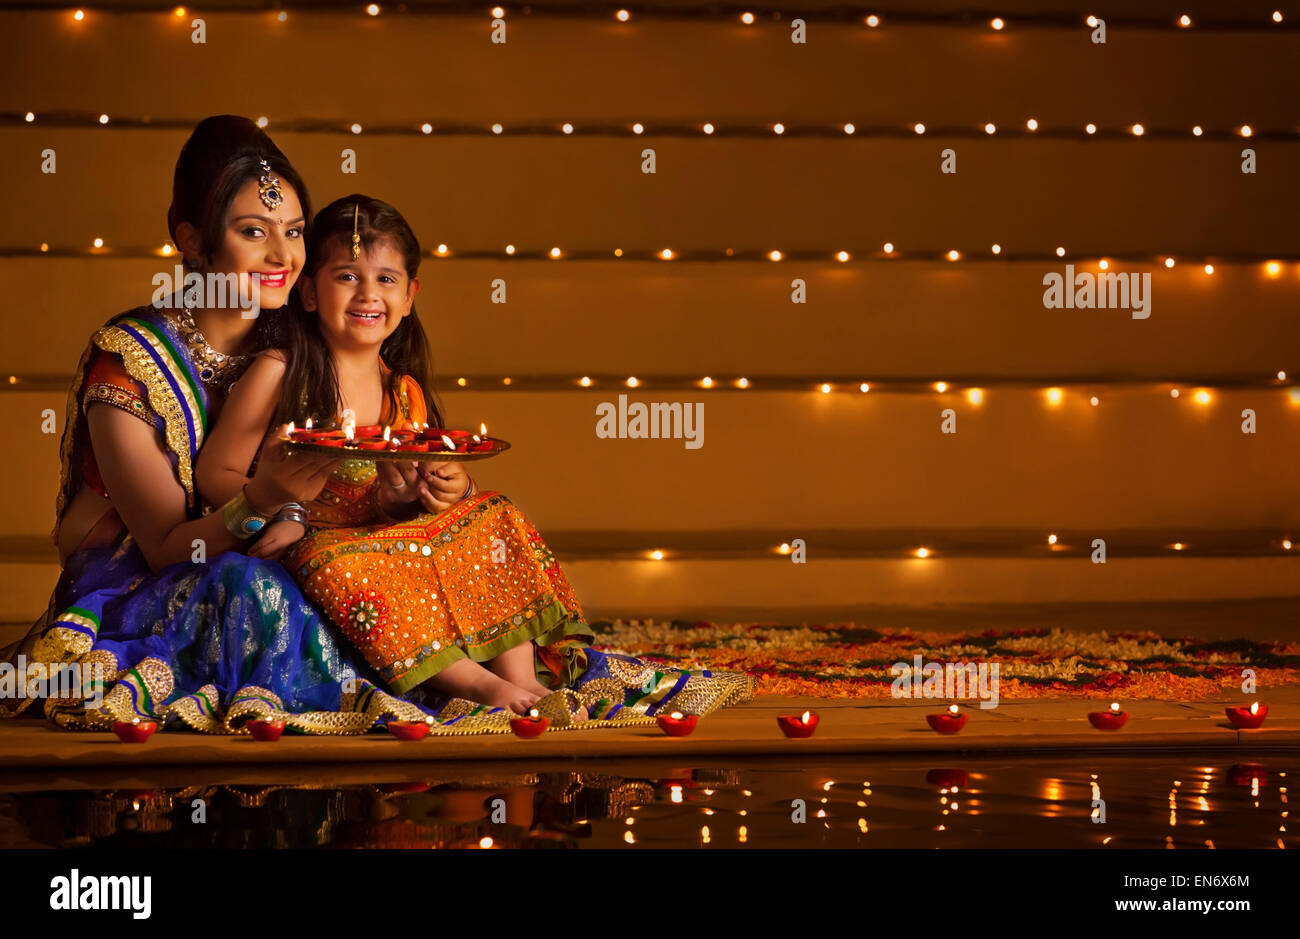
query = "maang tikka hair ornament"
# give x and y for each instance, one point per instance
(268, 188)
(356, 238)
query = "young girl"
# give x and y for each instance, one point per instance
(440, 586)
(431, 580)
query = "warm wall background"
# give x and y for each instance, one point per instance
(864, 478)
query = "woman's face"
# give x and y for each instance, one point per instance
(360, 303)
(262, 241)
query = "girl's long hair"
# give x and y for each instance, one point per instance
(222, 154)
(311, 385)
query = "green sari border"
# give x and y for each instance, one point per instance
(551, 625)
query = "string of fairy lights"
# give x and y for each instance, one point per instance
(747, 15)
(1270, 265)
(1028, 128)
(1055, 392)
(958, 544)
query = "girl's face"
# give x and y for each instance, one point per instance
(262, 241)
(360, 303)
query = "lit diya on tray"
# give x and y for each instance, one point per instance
(416, 442)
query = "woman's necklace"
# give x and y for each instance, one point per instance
(215, 368)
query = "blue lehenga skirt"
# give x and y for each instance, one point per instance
(213, 645)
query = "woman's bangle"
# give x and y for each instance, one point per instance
(241, 519)
(292, 512)
(469, 490)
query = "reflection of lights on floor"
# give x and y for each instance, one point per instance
(1053, 791)
(629, 837)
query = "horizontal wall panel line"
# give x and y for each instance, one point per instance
(951, 543)
(841, 384)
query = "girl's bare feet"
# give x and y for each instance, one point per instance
(467, 679)
(516, 666)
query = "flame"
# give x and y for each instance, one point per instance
(387, 431)
(1114, 706)
(308, 424)
(676, 715)
(534, 713)
(291, 429)
(952, 709)
(806, 715)
(1254, 708)
(347, 429)
(447, 442)
(482, 429)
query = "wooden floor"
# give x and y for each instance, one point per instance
(746, 730)
(847, 726)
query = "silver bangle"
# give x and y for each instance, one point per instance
(292, 512)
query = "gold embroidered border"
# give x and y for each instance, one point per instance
(119, 397)
(141, 366)
(701, 695)
(68, 443)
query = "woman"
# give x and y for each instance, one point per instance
(153, 596)
(155, 589)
